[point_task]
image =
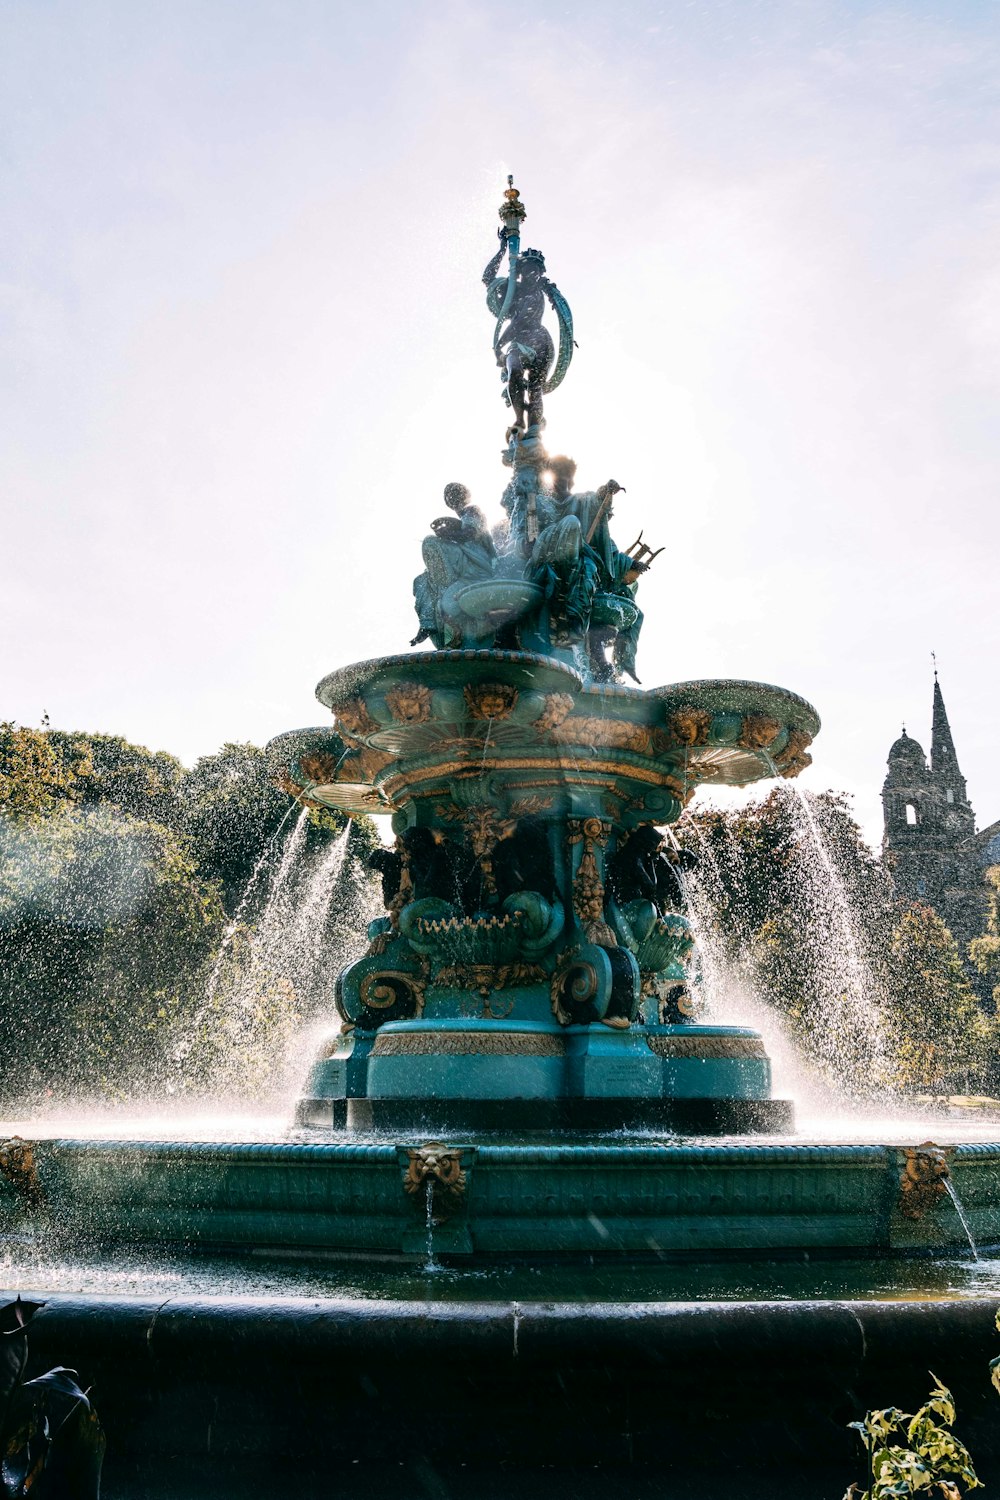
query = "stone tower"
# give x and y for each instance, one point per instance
(930, 844)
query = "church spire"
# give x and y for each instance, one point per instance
(944, 761)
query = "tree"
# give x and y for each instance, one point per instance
(985, 950)
(142, 783)
(107, 932)
(36, 777)
(942, 1036)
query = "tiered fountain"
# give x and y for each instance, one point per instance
(521, 1067)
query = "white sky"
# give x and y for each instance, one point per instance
(244, 343)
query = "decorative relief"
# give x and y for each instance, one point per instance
(468, 1044)
(588, 887)
(574, 980)
(380, 991)
(674, 1001)
(706, 1046)
(688, 725)
(923, 1179)
(617, 734)
(490, 700)
(757, 732)
(354, 719)
(795, 756)
(17, 1166)
(436, 1169)
(486, 978)
(409, 703)
(484, 828)
(320, 769)
(555, 708)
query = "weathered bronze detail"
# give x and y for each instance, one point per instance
(17, 1166)
(468, 1044)
(436, 1169)
(486, 978)
(354, 719)
(688, 725)
(574, 980)
(795, 756)
(923, 1179)
(378, 991)
(555, 708)
(758, 732)
(674, 1001)
(588, 887)
(409, 703)
(490, 700)
(618, 734)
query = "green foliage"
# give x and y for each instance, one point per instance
(106, 933)
(143, 783)
(909, 1453)
(230, 810)
(118, 872)
(985, 950)
(36, 777)
(778, 922)
(942, 1034)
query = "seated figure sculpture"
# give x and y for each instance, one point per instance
(460, 551)
(581, 570)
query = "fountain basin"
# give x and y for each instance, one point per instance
(553, 1199)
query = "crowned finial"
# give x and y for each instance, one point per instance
(512, 210)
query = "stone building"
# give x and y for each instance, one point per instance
(930, 843)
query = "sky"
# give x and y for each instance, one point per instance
(244, 344)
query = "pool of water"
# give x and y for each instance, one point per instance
(28, 1265)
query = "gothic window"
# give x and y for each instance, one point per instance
(911, 815)
(950, 795)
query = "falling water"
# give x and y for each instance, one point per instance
(846, 1032)
(431, 1265)
(270, 977)
(953, 1195)
(239, 916)
(850, 1014)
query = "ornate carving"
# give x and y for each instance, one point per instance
(675, 1003)
(619, 734)
(588, 887)
(320, 769)
(688, 725)
(757, 732)
(17, 1165)
(574, 979)
(490, 700)
(555, 708)
(923, 1178)
(484, 828)
(795, 756)
(409, 703)
(436, 1169)
(486, 978)
(354, 719)
(468, 1044)
(378, 991)
(706, 1046)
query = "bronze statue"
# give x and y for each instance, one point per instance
(460, 551)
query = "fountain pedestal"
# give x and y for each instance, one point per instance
(530, 972)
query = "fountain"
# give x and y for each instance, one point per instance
(521, 1074)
